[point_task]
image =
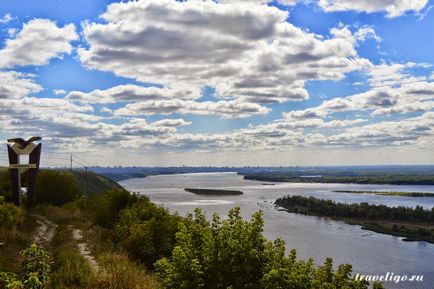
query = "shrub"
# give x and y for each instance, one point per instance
(5, 185)
(234, 254)
(105, 208)
(10, 218)
(34, 271)
(35, 267)
(55, 187)
(147, 231)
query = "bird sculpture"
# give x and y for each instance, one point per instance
(23, 143)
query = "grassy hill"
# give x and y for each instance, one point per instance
(96, 184)
(60, 186)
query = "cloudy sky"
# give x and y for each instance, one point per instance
(229, 82)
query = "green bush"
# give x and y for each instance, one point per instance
(105, 208)
(234, 254)
(147, 231)
(34, 271)
(6, 185)
(55, 187)
(10, 218)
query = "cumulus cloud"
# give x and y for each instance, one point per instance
(38, 41)
(404, 132)
(131, 93)
(17, 85)
(59, 91)
(367, 32)
(385, 74)
(6, 18)
(225, 109)
(392, 8)
(247, 52)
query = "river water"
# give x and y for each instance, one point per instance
(319, 238)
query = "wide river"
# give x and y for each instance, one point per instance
(319, 238)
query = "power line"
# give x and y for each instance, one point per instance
(81, 160)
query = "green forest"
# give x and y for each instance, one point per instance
(338, 176)
(413, 223)
(138, 244)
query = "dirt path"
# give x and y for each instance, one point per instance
(83, 249)
(44, 232)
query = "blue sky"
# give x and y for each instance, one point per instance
(285, 82)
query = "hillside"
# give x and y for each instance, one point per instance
(95, 184)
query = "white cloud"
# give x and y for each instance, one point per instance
(17, 85)
(385, 74)
(393, 8)
(248, 52)
(367, 32)
(225, 109)
(38, 41)
(6, 18)
(130, 93)
(12, 32)
(287, 2)
(249, 2)
(59, 91)
(106, 110)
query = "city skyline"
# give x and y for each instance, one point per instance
(162, 83)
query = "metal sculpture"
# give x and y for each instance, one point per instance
(19, 147)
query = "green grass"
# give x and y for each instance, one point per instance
(70, 269)
(10, 258)
(94, 184)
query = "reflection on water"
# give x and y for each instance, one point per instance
(370, 253)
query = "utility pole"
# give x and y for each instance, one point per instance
(70, 164)
(85, 190)
(85, 182)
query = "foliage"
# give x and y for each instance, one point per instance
(346, 175)
(5, 185)
(147, 231)
(311, 205)
(35, 267)
(55, 187)
(10, 218)
(234, 254)
(34, 271)
(105, 208)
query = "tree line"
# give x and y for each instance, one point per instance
(311, 205)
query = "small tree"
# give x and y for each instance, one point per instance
(10, 218)
(34, 271)
(234, 254)
(56, 188)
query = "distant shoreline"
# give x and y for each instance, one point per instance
(409, 180)
(390, 193)
(412, 224)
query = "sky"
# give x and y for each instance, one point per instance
(229, 82)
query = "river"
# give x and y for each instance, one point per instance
(319, 238)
